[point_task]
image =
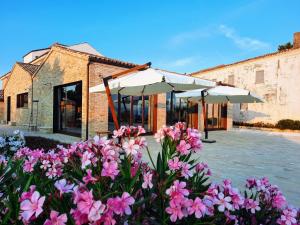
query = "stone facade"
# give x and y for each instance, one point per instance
(274, 77)
(18, 82)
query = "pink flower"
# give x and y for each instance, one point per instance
(185, 170)
(252, 205)
(118, 133)
(27, 195)
(110, 169)
(288, 217)
(63, 187)
(131, 147)
(279, 201)
(237, 199)
(197, 207)
(177, 190)
(89, 177)
(121, 205)
(174, 164)
(86, 159)
(223, 202)
(32, 206)
(96, 211)
(175, 210)
(80, 218)
(183, 147)
(55, 219)
(85, 201)
(147, 180)
(141, 130)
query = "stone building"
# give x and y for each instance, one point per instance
(274, 76)
(49, 91)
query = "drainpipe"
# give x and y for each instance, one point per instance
(87, 101)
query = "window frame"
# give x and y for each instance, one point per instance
(260, 72)
(22, 102)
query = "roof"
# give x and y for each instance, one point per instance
(1, 95)
(30, 68)
(4, 75)
(100, 59)
(36, 50)
(245, 60)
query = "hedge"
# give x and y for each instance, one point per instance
(281, 124)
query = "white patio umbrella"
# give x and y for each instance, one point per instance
(221, 94)
(152, 81)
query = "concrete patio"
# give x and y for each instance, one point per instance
(237, 154)
(240, 154)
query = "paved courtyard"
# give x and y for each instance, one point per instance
(239, 154)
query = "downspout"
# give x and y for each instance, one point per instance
(87, 101)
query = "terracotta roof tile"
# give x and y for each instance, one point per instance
(30, 68)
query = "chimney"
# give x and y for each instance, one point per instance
(297, 40)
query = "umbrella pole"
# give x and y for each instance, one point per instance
(119, 107)
(206, 140)
(110, 102)
(143, 111)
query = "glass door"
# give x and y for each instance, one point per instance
(216, 115)
(68, 109)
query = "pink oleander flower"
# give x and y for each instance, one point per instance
(141, 130)
(183, 147)
(118, 133)
(288, 217)
(223, 202)
(200, 167)
(174, 164)
(80, 218)
(237, 199)
(55, 219)
(89, 177)
(252, 205)
(177, 190)
(279, 201)
(27, 195)
(86, 159)
(142, 142)
(175, 210)
(96, 211)
(197, 207)
(45, 164)
(185, 170)
(32, 207)
(160, 135)
(121, 205)
(131, 148)
(110, 169)
(147, 180)
(63, 187)
(85, 201)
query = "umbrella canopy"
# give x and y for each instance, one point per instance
(222, 94)
(152, 81)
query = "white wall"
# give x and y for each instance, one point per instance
(280, 90)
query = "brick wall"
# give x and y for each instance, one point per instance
(98, 104)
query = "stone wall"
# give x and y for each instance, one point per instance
(280, 90)
(60, 67)
(19, 82)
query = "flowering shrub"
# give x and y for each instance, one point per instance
(10, 144)
(103, 181)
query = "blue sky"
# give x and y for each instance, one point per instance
(183, 36)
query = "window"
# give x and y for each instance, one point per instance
(231, 79)
(22, 100)
(244, 106)
(259, 78)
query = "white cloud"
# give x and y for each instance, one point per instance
(245, 43)
(184, 37)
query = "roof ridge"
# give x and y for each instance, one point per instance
(244, 60)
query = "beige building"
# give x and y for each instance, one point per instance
(275, 77)
(49, 91)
